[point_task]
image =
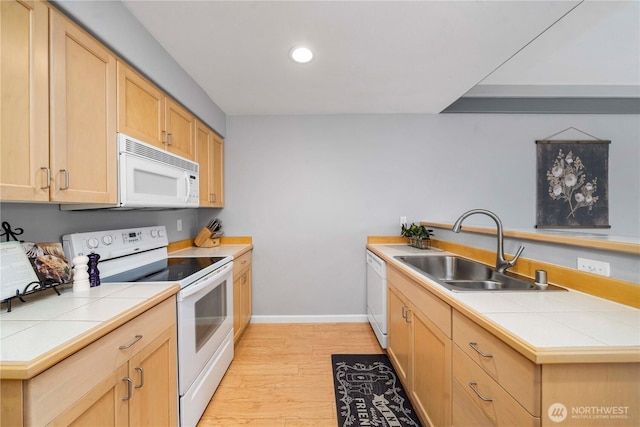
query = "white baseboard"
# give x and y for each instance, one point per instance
(329, 318)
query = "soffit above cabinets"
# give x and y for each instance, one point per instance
(383, 56)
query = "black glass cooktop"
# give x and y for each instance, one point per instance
(166, 270)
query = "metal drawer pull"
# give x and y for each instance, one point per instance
(475, 390)
(141, 370)
(474, 345)
(129, 391)
(66, 179)
(48, 178)
(135, 340)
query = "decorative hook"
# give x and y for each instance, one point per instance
(11, 234)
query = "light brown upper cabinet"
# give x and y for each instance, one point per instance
(24, 101)
(146, 113)
(58, 139)
(83, 116)
(209, 154)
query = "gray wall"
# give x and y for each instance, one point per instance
(113, 24)
(310, 189)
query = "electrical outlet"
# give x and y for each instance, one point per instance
(403, 220)
(593, 266)
(179, 225)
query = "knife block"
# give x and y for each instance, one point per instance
(204, 240)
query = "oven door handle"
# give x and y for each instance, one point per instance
(202, 283)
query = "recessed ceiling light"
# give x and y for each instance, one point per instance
(300, 55)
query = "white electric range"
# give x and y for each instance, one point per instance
(204, 303)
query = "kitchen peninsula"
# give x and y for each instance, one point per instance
(529, 352)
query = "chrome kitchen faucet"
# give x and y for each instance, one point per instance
(501, 263)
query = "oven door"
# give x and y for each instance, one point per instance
(205, 317)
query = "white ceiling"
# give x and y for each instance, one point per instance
(390, 56)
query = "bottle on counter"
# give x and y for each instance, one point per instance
(81, 273)
(94, 273)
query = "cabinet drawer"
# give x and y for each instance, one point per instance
(241, 263)
(57, 388)
(502, 409)
(432, 307)
(465, 410)
(517, 374)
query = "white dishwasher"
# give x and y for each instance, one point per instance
(377, 296)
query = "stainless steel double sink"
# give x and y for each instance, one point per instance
(460, 274)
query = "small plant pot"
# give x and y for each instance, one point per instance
(420, 243)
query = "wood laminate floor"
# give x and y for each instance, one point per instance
(281, 375)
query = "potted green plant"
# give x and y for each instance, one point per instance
(419, 236)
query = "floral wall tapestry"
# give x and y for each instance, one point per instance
(572, 184)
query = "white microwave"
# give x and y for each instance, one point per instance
(149, 177)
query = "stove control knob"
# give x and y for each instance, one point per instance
(154, 233)
(92, 243)
(161, 233)
(107, 239)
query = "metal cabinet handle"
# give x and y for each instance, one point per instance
(66, 179)
(214, 197)
(135, 340)
(48, 178)
(141, 370)
(129, 390)
(170, 139)
(473, 386)
(404, 312)
(474, 345)
(408, 318)
(244, 278)
(164, 137)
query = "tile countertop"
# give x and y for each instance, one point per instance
(223, 250)
(47, 328)
(546, 327)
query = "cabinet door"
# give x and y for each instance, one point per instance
(101, 406)
(237, 308)
(245, 281)
(217, 172)
(83, 116)
(241, 303)
(210, 153)
(204, 157)
(155, 390)
(140, 107)
(180, 126)
(24, 101)
(399, 334)
(431, 373)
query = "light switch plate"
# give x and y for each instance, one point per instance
(592, 266)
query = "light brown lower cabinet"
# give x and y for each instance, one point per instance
(456, 373)
(126, 378)
(420, 347)
(241, 295)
